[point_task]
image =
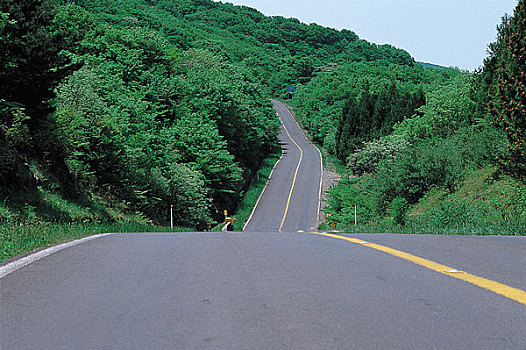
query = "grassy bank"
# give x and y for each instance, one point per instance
(23, 237)
(254, 191)
(485, 203)
(508, 228)
(45, 217)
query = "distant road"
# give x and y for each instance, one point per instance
(265, 289)
(291, 200)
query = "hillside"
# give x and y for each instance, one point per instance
(138, 105)
(115, 110)
(416, 142)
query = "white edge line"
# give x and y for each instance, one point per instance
(268, 180)
(321, 186)
(15, 265)
(264, 188)
(321, 164)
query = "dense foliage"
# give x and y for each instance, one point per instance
(407, 132)
(142, 104)
(370, 116)
(31, 65)
(363, 85)
(133, 106)
(507, 87)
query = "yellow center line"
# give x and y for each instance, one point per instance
(516, 294)
(293, 180)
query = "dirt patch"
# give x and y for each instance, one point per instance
(330, 177)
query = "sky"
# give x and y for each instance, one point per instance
(452, 33)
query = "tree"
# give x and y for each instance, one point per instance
(201, 147)
(30, 67)
(29, 59)
(507, 95)
(348, 133)
(370, 116)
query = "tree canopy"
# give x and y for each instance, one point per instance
(152, 102)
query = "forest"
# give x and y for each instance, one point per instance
(112, 111)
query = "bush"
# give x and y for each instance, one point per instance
(398, 209)
(344, 195)
(366, 159)
(483, 145)
(437, 162)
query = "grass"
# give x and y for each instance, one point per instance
(485, 203)
(22, 237)
(508, 228)
(254, 191)
(43, 218)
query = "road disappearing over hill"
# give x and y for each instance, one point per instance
(291, 200)
(270, 287)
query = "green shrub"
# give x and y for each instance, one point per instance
(386, 148)
(438, 162)
(398, 210)
(344, 195)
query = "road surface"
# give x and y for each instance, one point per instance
(265, 289)
(291, 200)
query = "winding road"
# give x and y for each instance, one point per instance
(291, 200)
(280, 284)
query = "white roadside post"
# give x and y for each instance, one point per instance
(226, 223)
(171, 217)
(355, 218)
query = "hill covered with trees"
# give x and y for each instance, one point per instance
(426, 149)
(111, 111)
(114, 110)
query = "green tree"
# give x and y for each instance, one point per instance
(370, 116)
(202, 148)
(30, 57)
(507, 95)
(31, 65)
(349, 132)
(447, 109)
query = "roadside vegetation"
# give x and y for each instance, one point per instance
(53, 219)
(427, 150)
(112, 111)
(17, 238)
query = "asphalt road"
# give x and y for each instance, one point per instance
(259, 291)
(303, 207)
(264, 289)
